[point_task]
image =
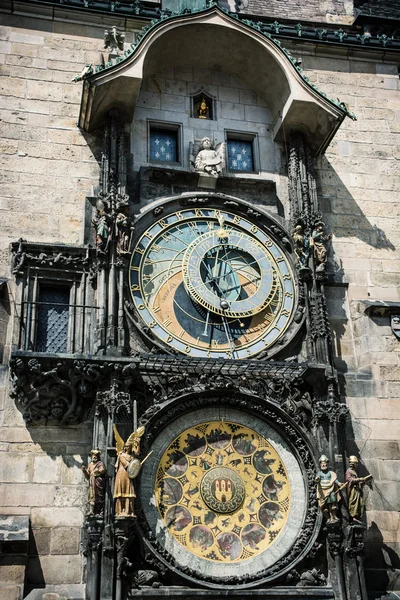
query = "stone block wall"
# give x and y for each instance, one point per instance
(330, 11)
(48, 167)
(166, 98)
(359, 184)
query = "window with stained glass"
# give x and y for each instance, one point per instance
(240, 155)
(52, 319)
(163, 145)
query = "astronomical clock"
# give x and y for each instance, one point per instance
(223, 494)
(213, 281)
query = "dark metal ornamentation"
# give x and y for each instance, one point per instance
(113, 399)
(266, 411)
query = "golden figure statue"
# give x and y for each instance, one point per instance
(127, 468)
(355, 486)
(202, 109)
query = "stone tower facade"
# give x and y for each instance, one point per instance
(199, 280)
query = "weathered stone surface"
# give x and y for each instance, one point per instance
(65, 540)
(40, 543)
(12, 569)
(55, 569)
(56, 517)
(15, 468)
(10, 592)
(14, 528)
(46, 469)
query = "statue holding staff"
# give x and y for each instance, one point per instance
(95, 472)
(355, 490)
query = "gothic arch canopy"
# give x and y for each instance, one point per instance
(214, 39)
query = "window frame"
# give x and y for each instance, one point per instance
(166, 126)
(69, 287)
(245, 136)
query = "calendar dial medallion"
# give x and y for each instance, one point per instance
(211, 283)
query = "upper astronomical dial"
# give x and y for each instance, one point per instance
(229, 273)
(212, 283)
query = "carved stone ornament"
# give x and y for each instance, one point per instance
(208, 158)
(395, 325)
(114, 40)
(50, 390)
(94, 528)
(25, 255)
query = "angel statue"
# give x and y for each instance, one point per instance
(210, 159)
(127, 468)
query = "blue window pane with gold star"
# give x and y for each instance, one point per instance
(240, 155)
(163, 145)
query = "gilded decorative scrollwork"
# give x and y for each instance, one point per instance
(222, 491)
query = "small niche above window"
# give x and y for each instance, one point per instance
(203, 106)
(164, 143)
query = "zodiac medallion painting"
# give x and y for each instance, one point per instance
(222, 491)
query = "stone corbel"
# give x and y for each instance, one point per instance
(48, 390)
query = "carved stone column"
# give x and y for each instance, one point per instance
(113, 230)
(335, 549)
(94, 527)
(123, 535)
(354, 563)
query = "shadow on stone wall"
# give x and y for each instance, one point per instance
(341, 211)
(35, 576)
(382, 563)
(381, 560)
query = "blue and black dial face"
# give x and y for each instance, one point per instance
(210, 283)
